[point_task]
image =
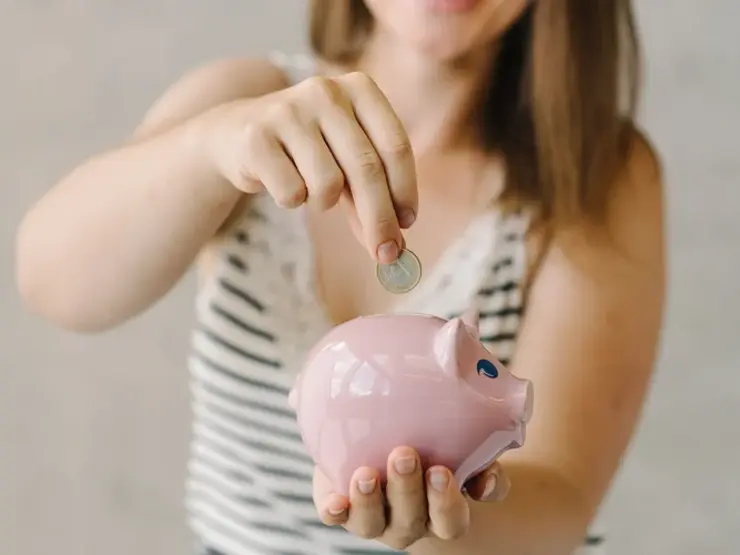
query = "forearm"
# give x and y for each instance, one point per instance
(119, 231)
(542, 515)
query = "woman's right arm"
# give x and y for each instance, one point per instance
(119, 231)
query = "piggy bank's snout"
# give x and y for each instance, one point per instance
(524, 401)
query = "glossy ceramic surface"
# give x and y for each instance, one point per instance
(379, 382)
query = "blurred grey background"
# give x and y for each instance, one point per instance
(94, 431)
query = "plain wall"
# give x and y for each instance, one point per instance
(94, 430)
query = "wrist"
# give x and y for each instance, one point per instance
(203, 142)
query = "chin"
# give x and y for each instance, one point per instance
(447, 48)
(446, 29)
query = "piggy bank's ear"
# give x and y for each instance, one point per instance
(448, 342)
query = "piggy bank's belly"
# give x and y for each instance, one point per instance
(440, 433)
(354, 410)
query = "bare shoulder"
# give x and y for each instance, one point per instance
(643, 157)
(210, 85)
(638, 203)
(633, 231)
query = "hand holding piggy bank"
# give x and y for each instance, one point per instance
(379, 382)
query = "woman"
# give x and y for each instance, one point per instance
(537, 201)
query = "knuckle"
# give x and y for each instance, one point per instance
(319, 88)
(255, 135)
(247, 184)
(367, 530)
(358, 79)
(370, 164)
(399, 149)
(409, 532)
(290, 197)
(283, 112)
(243, 176)
(401, 541)
(385, 225)
(328, 189)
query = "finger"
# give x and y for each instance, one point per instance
(334, 511)
(449, 513)
(407, 500)
(271, 165)
(367, 509)
(306, 146)
(346, 202)
(333, 508)
(365, 175)
(490, 485)
(384, 129)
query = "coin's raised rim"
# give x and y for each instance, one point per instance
(413, 285)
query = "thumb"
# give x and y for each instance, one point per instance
(491, 485)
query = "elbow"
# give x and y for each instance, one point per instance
(565, 505)
(64, 318)
(568, 495)
(582, 509)
(579, 509)
(48, 293)
(43, 298)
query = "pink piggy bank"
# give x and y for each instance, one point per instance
(379, 382)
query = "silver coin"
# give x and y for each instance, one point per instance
(402, 275)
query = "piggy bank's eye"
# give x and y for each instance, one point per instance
(486, 368)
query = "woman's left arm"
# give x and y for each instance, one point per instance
(588, 343)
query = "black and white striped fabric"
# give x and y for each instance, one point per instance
(249, 491)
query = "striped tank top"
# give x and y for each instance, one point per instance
(249, 490)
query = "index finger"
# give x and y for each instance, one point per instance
(376, 116)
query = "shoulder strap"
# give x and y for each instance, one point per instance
(297, 66)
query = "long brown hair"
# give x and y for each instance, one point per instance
(560, 104)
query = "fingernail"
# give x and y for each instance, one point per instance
(336, 511)
(406, 218)
(497, 487)
(366, 487)
(490, 486)
(439, 479)
(388, 252)
(405, 465)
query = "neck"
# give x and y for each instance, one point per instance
(434, 99)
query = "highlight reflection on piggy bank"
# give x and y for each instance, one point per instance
(379, 382)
